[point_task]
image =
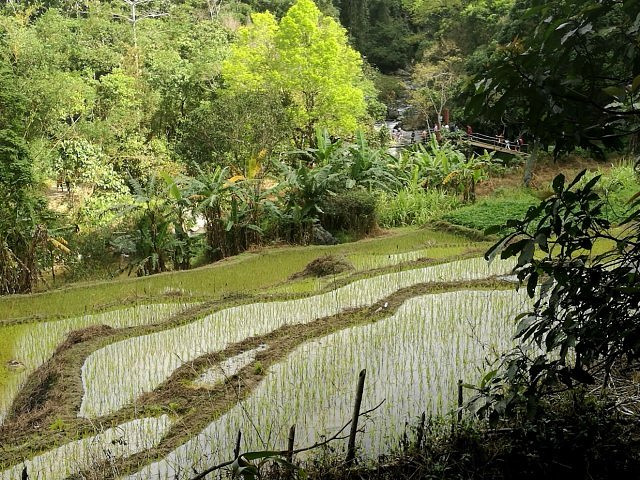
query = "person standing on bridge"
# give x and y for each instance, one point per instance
(469, 130)
(436, 130)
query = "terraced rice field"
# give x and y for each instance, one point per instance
(414, 360)
(35, 343)
(414, 356)
(108, 446)
(119, 373)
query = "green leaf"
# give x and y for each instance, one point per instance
(532, 283)
(497, 248)
(524, 324)
(615, 91)
(526, 255)
(488, 377)
(542, 241)
(577, 178)
(558, 184)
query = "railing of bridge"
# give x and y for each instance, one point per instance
(498, 141)
(405, 138)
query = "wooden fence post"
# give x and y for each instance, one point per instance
(420, 431)
(292, 436)
(289, 456)
(351, 448)
(236, 451)
(460, 401)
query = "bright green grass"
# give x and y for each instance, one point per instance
(250, 273)
(8, 337)
(492, 212)
(616, 187)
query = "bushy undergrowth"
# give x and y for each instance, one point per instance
(577, 437)
(413, 207)
(93, 256)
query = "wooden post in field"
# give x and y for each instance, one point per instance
(289, 456)
(420, 431)
(236, 451)
(351, 448)
(292, 437)
(460, 401)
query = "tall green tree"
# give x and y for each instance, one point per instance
(22, 234)
(566, 72)
(354, 15)
(305, 55)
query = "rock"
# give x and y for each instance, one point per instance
(15, 364)
(321, 237)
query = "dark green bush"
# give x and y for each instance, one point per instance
(352, 211)
(92, 256)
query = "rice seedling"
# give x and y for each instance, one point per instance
(227, 368)
(33, 344)
(414, 360)
(117, 374)
(84, 454)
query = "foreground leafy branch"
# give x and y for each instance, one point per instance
(585, 318)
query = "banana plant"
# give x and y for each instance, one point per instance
(368, 167)
(210, 193)
(152, 242)
(305, 189)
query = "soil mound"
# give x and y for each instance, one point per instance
(323, 266)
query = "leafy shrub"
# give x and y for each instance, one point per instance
(352, 211)
(92, 257)
(413, 207)
(583, 326)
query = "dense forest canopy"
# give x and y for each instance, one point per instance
(229, 105)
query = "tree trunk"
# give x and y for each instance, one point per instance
(530, 164)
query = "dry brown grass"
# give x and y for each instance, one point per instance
(544, 173)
